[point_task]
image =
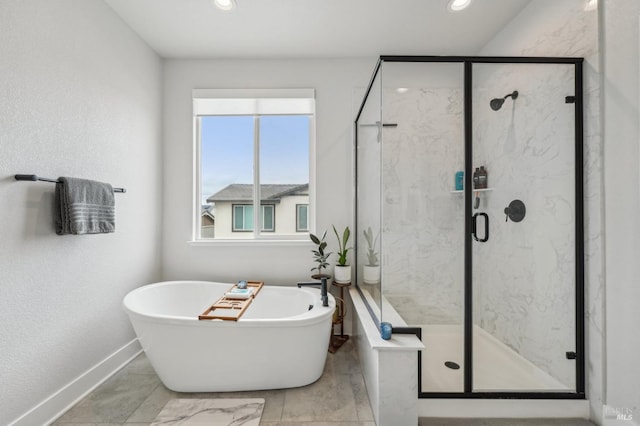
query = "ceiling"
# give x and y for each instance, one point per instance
(315, 28)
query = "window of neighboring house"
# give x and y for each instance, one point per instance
(243, 218)
(302, 217)
(254, 148)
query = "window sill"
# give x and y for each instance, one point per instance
(251, 243)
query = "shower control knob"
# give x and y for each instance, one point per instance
(515, 211)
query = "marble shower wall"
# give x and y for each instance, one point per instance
(565, 29)
(423, 221)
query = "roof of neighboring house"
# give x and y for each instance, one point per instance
(268, 192)
(207, 210)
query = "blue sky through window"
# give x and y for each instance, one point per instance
(227, 151)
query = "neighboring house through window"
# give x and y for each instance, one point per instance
(243, 217)
(302, 217)
(279, 207)
(253, 152)
(207, 224)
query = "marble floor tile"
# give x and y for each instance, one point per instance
(153, 404)
(113, 401)
(318, 424)
(151, 407)
(344, 361)
(95, 424)
(363, 407)
(329, 399)
(134, 396)
(140, 365)
(211, 412)
(273, 405)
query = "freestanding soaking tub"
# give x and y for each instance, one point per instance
(281, 340)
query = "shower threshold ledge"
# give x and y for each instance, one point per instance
(372, 349)
(504, 408)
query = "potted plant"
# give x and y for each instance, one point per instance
(371, 270)
(320, 256)
(342, 271)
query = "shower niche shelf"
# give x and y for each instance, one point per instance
(461, 191)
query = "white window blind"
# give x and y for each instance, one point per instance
(253, 101)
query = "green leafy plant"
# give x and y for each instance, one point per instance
(319, 254)
(372, 255)
(342, 245)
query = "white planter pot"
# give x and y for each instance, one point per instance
(342, 274)
(371, 274)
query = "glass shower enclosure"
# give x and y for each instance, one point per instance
(469, 220)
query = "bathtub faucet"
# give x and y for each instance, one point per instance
(323, 290)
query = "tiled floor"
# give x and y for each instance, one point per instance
(134, 396)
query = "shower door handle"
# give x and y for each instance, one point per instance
(474, 227)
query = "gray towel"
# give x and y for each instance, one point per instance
(84, 207)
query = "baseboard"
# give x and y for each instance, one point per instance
(57, 404)
(503, 408)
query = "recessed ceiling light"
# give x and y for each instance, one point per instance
(224, 4)
(458, 5)
(402, 90)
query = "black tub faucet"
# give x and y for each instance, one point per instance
(323, 290)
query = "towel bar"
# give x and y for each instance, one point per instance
(36, 178)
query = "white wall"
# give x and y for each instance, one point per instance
(621, 84)
(334, 81)
(81, 96)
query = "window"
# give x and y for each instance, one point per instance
(254, 148)
(243, 217)
(302, 217)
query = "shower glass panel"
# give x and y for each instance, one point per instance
(369, 154)
(524, 275)
(486, 269)
(423, 214)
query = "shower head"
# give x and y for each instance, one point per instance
(496, 103)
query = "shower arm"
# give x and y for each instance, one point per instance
(513, 95)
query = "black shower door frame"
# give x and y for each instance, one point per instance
(577, 100)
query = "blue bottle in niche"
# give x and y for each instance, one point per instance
(459, 181)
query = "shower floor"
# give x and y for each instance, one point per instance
(496, 367)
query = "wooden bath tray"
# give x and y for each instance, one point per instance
(231, 309)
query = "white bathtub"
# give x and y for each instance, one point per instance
(278, 343)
